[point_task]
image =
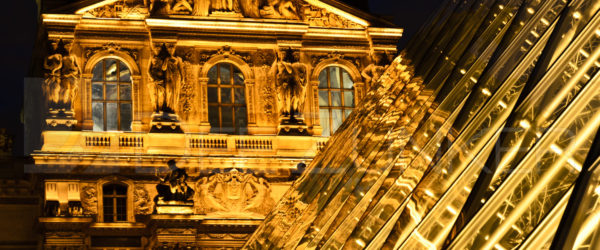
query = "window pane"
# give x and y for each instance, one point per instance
(239, 96)
(120, 190)
(111, 117)
(225, 73)
(347, 113)
(336, 99)
(98, 72)
(121, 209)
(323, 98)
(348, 99)
(226, 95)
(227, 120)
(126, 115)
(98, 116)
(336, 119)
(347, 80)
(324, 116)
(241, 120)
(108, 210)
(213, 95)
(323, 79)
(125, 92)
(334, 76)
(111, 70)
(238, 77)
(108, 190)
(124, 74)
(97, 91)
(212, 75)
(111, 91)
(213, 119)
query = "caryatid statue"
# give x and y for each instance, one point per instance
(375, 70)
(167, 74)
(291, 80)
(62, 76)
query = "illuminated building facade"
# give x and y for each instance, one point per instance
(181, 123)
(481, 135)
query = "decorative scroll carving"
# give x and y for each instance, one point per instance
(130, 9)
(291, 79)
(268, 98)
(234, 194)
(262, 57)
(62, 75)
(111, 47)
(141, 201)
(89, 200)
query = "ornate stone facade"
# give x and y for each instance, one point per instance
(210, 84)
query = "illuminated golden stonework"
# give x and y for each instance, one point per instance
(181, 123)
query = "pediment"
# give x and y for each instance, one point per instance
(312, 12)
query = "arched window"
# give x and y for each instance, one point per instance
(111, 96)
(336, 98)
(227, 100)
(114, 202)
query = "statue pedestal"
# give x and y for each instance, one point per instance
(175, 207)
(292, 127)
(60, 120)
(165, 123)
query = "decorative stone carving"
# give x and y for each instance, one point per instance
(234, 194)
(89, 200)
(291, 79)
(167, 74)
(316, 16)
(268, 98)
(61, 83)
(375, 69)
(111, 47)
(174, 187)
(130, 9)
(285, 9)
(141, 201)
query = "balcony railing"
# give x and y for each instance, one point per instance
(180, 144)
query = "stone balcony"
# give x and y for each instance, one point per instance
(154, 149)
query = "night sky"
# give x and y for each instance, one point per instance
(20, 28)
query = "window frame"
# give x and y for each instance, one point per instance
(329, 89)
(114, 196)
(104, 101)
(219, 104)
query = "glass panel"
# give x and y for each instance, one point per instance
(347, 80)
(125, 92)
(226, 95)
(97, 91)
(324, 116)
(107, 190)
(347, 113)
(121, 209)
(336, 99)
(111, 70)
(213, 119)
(212, 75)
(126, 117)
(334, 77)
(98, 116)
(108, 209)
(124, 73)
(98, 72)
(111, 117)
(111, 92)
(225, 73)
(227, 120)
(323, 79)
(213, 95)
(238, 77)
(241, 120)
(336, 119)
(348, 99)
(239, 96)
(120, 190)
(323, 98)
